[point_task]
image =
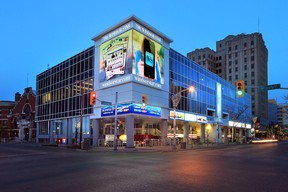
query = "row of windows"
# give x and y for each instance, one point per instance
(64, 92)
(252, 58)
(245, 74)
(236, 46)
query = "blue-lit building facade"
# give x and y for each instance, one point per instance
(132, 63)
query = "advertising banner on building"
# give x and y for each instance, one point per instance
(131, 53)
(131, 108)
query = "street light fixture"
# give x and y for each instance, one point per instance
(176, 97)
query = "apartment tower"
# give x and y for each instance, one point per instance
(240, 57)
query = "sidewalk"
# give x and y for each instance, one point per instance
(167, 148)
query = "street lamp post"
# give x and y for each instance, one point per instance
(175, 100)
(81, 114)
(115, 123)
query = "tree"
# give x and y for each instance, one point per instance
(236, 116)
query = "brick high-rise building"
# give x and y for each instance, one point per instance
(240, 57)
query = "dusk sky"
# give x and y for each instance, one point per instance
(35, 33)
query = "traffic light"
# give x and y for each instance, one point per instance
(240, 88)
(92, 98)
(144, 100)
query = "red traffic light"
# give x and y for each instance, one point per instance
(92, 98)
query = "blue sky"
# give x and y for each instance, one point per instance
(35, 33)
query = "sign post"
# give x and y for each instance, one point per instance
(270, 87)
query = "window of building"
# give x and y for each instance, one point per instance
(230, 70)
(252, 42)
(252, 81)
(220, 57)
(230, 63)
(225, 115)
(236, 54)
(245, 67)
(236, 47)
(229, 56)
(245, 59)
(236, 69)
(252, 66)
(236, 62)
(245, 75)
(210, 112)
(236, 77)
(252, 74)
(199, 57)
(245, 44)
(230, 78)
(229, 48)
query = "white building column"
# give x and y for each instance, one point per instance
(96, 128)
(202, 134)
(219, 133)
(186, 132)
(225, 135)
(130, 131)
(164, 131)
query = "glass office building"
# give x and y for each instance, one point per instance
(62, 95)
(131, 67)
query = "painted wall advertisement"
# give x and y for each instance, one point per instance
(132, 53)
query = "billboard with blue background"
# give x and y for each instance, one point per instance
(133, 108)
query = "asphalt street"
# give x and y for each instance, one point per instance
(231, 168)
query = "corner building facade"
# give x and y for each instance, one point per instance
(134, 64)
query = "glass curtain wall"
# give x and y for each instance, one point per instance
(185, 73)
(61, 89)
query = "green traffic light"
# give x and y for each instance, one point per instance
(239, 92)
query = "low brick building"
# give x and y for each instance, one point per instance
(18, 117)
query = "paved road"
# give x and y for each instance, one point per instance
(234, 168)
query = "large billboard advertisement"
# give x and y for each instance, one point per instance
(132, 53)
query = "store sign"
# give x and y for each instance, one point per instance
(179, 115)
(169, 135)
(201, 118)
(190, 117)
(238, 124)
(131, 108)
(183, 116)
